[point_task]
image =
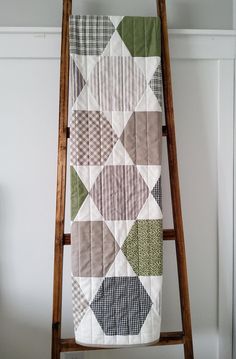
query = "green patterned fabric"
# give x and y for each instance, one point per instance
(78, 192)
(143, 247)
(142, 36)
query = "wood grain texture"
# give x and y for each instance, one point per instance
(174, 184)
(61, 181)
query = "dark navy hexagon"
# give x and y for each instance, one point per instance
(121, 305)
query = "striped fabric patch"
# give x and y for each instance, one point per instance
(119, 192)
(117, 83)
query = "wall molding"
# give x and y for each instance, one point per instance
(219, 45)
(44, 42)
(226, 94)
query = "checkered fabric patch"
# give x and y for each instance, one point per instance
(121, 305)
(79, 302)
(157, 193)
(156, 84)
(92, 138)
(89, 35)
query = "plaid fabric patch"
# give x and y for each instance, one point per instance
(121, 305)
(157, 193)
(79, 302)
(156, 84)
(89, 35)
(92, 138)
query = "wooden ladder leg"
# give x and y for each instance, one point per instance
(174, 185)
(61, 182)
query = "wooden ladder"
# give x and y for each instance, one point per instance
(184, 336)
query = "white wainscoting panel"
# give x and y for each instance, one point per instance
(203, 68)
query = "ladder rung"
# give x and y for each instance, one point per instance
(167, 338)
(168, 235)
(164, 131)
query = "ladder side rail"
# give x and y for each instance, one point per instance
(61, 181)
(174, 184)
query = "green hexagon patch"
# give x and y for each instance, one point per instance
(143, 247)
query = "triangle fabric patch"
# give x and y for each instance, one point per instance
(118, 120)
(86, 101)
(120, 229)
(88, 328)
(78, 84)
(80, 303)
(116, 47)
(150, 209)
(119, 156)
(150, 174)
(120, 267)
(148, 102)
(153, 285)
(78, 192)
(88, 174)
(116, 20)
(89, 286)
(88, 211)
(156, 84)
(148, 65)
(85, 64)
(156, 192)
(153, 321)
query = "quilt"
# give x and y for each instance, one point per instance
(115, 175)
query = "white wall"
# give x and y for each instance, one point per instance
(203, 68)
(190, 14)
